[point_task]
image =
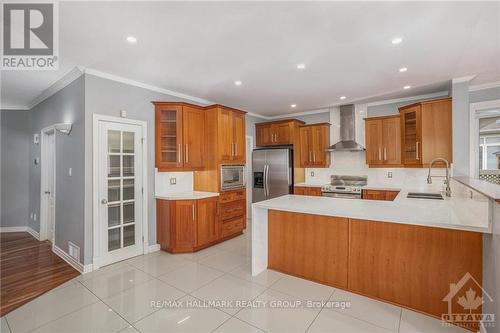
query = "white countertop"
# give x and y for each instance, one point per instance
(458, 212)
(191, 195)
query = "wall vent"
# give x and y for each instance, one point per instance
(74, 251)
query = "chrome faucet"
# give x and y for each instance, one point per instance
(447, 181)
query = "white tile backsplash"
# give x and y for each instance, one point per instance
(184, 183)
(354, 164)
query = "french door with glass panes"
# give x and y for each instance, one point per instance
(120, 192)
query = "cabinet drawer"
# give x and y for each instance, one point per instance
(232, 196)
(232, 209)
(233, 226)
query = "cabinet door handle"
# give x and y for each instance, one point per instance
(417, 151)
(385, 154)
(310, 158)
(314, 156)
(187, 153)
(180, 153)
(235, 149)
(379, 154)
(193, 212)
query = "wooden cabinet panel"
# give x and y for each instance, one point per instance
(379, 195)
(306, 142)
(383, 141)
(184, 226)
(225, 136)
(391, 141)
(207, 217)
(232, 195)
(413, 266)
(301, 245)
(168, 125)
(305, 190)
(426, 132)
(436, 131)
(239, 150)
(313, 141)
(373, 141)
(233, 226)
(263, 134)
(232, 209)
(283, 135)
(193, 136)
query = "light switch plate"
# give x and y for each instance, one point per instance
(173, 181)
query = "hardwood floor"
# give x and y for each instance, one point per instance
(28, 268)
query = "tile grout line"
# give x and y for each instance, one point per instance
(319, 312)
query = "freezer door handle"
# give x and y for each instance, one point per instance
(266, 180)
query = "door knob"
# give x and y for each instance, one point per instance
(104, 201)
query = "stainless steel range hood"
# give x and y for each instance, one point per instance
(347, 131)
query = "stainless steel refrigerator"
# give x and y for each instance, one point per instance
(272, 173)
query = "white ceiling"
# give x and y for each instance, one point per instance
(200, 49)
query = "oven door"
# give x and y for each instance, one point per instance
(232, 177)
(341, 195)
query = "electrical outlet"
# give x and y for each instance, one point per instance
(34, 217)
(173, 181)
(389, 174)
(31, 216)
(312, 173)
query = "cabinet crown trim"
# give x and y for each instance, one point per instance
(424, 102)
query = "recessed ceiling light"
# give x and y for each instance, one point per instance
(406, 87)
(301, 66)
(403, 69)
(131, 39)
(293, 105)
(397, 40)
(343, 97)
(238, 83)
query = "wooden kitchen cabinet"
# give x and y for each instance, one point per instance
(230, 144)
(276, 133)
(383, 141)
(179, 132)
(306, 190)
(314, 140)
(191, 225)
(379, 195)
(232, 212)
(426, 132)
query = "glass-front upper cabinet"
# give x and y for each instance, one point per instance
(168, 136)
(411, 130)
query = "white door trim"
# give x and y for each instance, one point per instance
(45, 132)
(96, 251)
(477, 111)
(249, 175)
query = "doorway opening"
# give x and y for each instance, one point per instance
(48, 184)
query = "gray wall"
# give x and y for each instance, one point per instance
(107, 97)
(15, 139)
(322, 117)
(484, 95)
(250, 122)
(67, 105)
(460, 128)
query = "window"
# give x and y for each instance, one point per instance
(489, 152)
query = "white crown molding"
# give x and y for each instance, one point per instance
(131, 82)
(463, 79)
(69, 77)
(296, 114)
(258, 115)
(484, 86)
(408, 99)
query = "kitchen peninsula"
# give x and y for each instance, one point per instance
(406, 252)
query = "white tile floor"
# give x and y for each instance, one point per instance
(118, 298)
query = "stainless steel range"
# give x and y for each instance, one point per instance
(344, 187)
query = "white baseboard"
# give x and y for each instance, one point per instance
(154, 248)
(33, 233)
(70, 260)
(87, 268)
(13, 229)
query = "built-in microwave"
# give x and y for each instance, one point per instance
(232, 177)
